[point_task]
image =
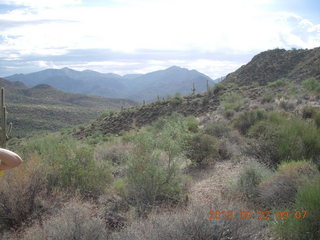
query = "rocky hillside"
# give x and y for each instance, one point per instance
(136, 117)
(272, 65)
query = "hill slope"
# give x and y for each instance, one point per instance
(135, 86)
(272, 65)
(46, 108)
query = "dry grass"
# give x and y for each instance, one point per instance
(20, 194)
(191, 224)
(76, 220)
(113, 153)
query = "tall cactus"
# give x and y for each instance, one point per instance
(4, 133)
(193, 88)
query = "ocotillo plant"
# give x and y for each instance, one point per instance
(208, 88)
(4, 133)
(193, 89)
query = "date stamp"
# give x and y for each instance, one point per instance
(243, 214)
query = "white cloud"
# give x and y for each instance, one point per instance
(202, 25)
(131, 25)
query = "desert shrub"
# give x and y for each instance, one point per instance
(311, 85)
(279, 138)
(217, 88)
(153, 171)
(120, 187)
(80, 173)
(71, 166)
(224, 150)
(250, 177)
(205, 100)
(202, 149)
(316, 118)
(307, 199)
(21, 190)
(229, 114)
(192, 124)
(278, 83)
(232, 101)
(175, 120)
(113, 153)
(287, 105)
(74, 221)
(176, 100)
(308, 111)
(190, 225)
(268, 98)
(280, 189)
(247, 119)
(217, 129)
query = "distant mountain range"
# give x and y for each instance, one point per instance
(43, 107)
(133, 86)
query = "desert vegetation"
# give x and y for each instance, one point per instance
(177, 168)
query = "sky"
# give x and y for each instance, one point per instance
(140, 36)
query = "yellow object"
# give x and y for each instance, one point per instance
(1, 172)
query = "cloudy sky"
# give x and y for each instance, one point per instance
(138, 36)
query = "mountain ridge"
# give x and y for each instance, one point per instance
(134, 86)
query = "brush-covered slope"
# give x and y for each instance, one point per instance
(272, 65)
(46, 108)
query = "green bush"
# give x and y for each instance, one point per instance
(316, 118)
(71, 165)
(279, 83)
(232, 101)
(279, 138)
(250, 177)
(217, 88)
(247, 119)
(192, 124)
(176, 100)
(217, 129)
(153, 175)
(202, 149)
(307, 199)
(311, 85)
(280, 189)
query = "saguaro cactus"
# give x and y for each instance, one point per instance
(4, 132)
(193, 88)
